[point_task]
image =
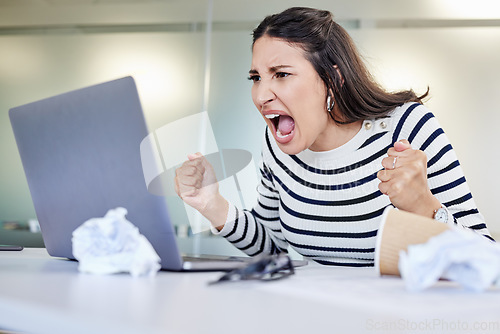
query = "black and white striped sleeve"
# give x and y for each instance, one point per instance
(258, 230)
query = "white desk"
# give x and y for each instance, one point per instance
(39, 294)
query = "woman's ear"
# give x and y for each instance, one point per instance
(340, 74)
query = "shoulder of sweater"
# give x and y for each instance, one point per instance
(409, 109)
(410, 117)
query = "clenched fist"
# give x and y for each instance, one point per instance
(196, 185)
(404, 180)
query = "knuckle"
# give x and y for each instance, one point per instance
(421, 155)
(381, 186)
(197, 162)
(193, 181)
(406, 178)
(190, 170)
(396, 188)
(415, 167)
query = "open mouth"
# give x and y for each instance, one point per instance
(283, 125)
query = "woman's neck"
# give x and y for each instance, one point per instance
(335, 136)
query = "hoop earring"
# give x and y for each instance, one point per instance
(329, 103)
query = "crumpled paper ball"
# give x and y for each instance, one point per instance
(458, 255)
(111, 244)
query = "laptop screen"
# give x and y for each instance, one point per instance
(81, 155)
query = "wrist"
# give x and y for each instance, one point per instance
(216, 211)
(429, 206)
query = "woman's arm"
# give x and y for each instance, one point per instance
(197, 186)
(404, 180)
(258, 230)
(428, 174)
(254, 232)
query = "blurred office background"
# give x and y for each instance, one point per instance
(49, 47)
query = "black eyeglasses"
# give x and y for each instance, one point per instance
(263, 268)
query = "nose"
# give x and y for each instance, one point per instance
(263, 94)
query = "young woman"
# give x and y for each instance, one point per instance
(338, 149)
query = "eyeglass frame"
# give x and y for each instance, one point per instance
(263, 268)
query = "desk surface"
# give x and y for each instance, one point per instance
(40, 294)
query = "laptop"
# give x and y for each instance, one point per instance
(81, 155)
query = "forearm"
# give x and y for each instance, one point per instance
(216, 212)
(247, 232)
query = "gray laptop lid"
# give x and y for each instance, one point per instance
(81, 155)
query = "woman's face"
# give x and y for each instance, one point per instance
(290, 95)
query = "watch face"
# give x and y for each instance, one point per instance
(441, 215)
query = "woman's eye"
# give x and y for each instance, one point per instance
(282, 74)
(254, 78)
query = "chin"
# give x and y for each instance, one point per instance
(290, 149)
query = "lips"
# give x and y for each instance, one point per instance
(283, 126)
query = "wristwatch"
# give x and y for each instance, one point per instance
(441, 214)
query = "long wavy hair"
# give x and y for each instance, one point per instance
(337, 61)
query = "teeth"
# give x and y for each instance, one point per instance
(271, 116)
(280, 135)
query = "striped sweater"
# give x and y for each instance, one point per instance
(327, 205)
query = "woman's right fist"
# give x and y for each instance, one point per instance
(196, 183)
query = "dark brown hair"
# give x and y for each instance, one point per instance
(329, 47)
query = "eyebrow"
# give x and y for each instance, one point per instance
(272, 69)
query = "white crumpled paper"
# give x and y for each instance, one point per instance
(458, 255)
(112, 244)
